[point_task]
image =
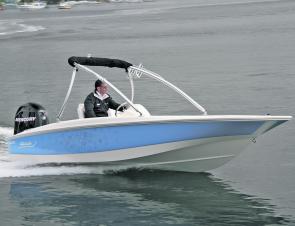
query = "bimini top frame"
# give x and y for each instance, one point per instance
(133, 71)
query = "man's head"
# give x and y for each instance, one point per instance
(101, 87)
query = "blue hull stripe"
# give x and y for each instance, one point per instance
(88, 140)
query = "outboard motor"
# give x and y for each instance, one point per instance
(29, 116)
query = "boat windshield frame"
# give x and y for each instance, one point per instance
(138, 71)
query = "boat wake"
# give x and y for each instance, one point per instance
(22, 169)
(5, 132)
(10, 168)
(9, 27)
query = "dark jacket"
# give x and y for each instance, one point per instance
(95, 107)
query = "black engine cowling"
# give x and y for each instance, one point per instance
(29, 116)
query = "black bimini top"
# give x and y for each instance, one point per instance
(96, 61)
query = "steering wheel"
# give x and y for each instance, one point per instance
(121, 105)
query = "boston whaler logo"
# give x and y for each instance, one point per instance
(29, 119)
(26, 144)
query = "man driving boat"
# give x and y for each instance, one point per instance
(98, 102)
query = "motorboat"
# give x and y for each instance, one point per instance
(64, 5)
(33, 5)
(70, 4)
(134, 138)
(8, 5)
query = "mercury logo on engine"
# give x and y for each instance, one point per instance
(29, 119)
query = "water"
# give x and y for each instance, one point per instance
(232, 56)
(131, 198)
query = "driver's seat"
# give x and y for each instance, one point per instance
(81, 111)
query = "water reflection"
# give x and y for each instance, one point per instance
(132, 198)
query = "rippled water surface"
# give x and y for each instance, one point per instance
(232, 56)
